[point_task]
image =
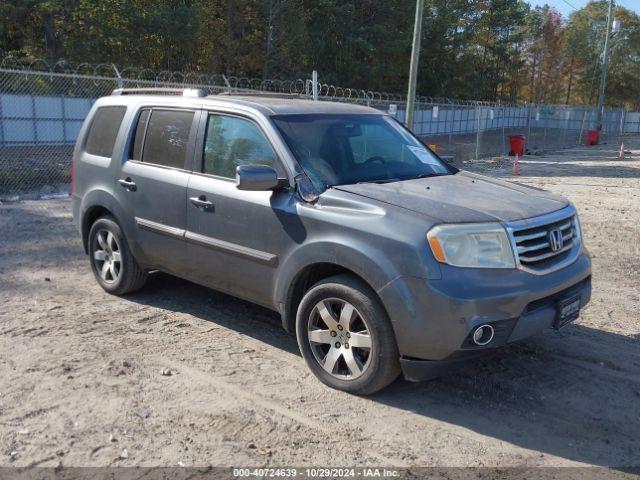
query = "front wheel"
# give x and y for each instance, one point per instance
(345, 336)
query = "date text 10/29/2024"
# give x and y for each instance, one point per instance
(315, 473)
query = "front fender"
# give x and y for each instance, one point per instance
(368, 263)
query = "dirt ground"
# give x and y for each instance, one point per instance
(81, 381)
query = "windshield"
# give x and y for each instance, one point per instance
(346, 149)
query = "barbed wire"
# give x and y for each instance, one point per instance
(145, 77)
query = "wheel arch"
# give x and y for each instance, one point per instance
(95, 205)
(88, 218)
(307, 267)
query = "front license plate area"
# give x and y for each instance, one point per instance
(567, 311)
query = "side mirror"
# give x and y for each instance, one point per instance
(256, 178)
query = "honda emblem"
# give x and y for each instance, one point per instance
(556, 242)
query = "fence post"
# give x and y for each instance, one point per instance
(567, 113)
(314, 84)
(451, 128)
(584, 117)
(34, 119)
(120, 84)
(1, 126)
(503, 118)
(477, 130)
(529, 124)
(226, 82)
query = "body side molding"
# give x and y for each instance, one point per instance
(210, 242)
(232, 248)
(159, 228)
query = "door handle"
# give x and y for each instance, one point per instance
(128, 184)
(202, 202)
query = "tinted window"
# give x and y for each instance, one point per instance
(141, 128)
(104, 130)
(232, 141)
(167, 138)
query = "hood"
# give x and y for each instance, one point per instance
(462, 197)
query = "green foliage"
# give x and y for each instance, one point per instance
(481, 49)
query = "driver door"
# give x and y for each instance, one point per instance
(236, 238)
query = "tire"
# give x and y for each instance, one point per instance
(335, 310)
(108, 246)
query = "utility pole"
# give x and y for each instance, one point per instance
(603, 72)
(413, 68)
(274, 7)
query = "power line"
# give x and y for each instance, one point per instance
(572, 6)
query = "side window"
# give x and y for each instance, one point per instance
(141, 129)
(104, 130)
(167, 138)
(232, 141)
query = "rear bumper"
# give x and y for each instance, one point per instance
(76, 201)
(433, 320)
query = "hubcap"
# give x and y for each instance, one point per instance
(339, 338)
(106, 256)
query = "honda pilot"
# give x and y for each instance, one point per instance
(378, 255)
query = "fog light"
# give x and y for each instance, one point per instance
(483, 335)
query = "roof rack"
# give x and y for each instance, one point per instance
(185, 92)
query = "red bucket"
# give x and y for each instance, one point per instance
(593, 136)
(516, 145)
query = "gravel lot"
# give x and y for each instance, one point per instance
(81, 381)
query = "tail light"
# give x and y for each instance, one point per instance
(72, 186)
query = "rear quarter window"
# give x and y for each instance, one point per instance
(104, 130)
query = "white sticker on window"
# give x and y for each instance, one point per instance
(423, 155)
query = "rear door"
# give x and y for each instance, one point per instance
(236, 238)
(153, 184)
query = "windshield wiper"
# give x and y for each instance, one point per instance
(428, 175)
(381, 180)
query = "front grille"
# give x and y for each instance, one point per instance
(546, 243)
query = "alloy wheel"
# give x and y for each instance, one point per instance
(340, 338)
(106, 256)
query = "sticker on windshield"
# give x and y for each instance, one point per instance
(424, 155)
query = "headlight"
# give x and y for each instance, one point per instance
(578, 228)
(474, 245)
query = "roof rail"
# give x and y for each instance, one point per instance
(185, 92)
(262, 94)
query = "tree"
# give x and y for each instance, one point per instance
(499, 50)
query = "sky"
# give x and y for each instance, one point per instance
(563, 6)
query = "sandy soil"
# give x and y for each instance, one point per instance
(81, 381)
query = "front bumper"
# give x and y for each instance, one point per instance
(433, 319)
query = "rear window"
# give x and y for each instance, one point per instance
(104, 130)
(167, 138)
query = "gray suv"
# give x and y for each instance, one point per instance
(380, 257)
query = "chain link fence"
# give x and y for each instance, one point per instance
(42, 108)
